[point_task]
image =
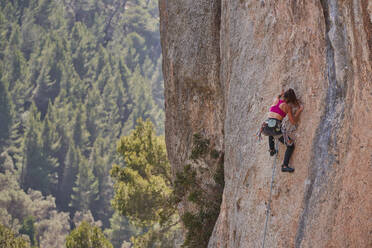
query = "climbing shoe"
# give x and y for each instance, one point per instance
(272, 152)
(286, 168)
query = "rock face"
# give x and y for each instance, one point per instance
(194, 103)
(224, 61)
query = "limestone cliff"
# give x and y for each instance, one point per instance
(224, 61)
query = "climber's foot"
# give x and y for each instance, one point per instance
(272, 152)
(286, 168)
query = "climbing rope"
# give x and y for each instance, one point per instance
(271, 190)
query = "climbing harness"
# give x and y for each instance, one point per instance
(270, 127)
(282, 128)
(271, 190)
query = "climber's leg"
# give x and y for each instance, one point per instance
(287, 155)
(271, 143)
(272, 146)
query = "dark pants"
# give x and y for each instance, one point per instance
(288, 152)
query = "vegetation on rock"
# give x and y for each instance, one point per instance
(189, 186)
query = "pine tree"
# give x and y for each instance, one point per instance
(42, 92)
(5, 114)
(99, 161)
(82, 48)
(17, 67)
(69, 177)
(58, 148)
(140, 91)
(92, 102)
(109, 121)
(79, 133)
(50, 143)
(120, 230)
(43, 12)
(86, 186)
(87, 235)
(32, 174)
(135, 50)
(39, 168)
(143, 190)
(15, 148)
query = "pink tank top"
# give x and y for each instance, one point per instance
(277, 110)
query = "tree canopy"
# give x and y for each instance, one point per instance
(86, 235)
(143, 187)
(75, 75)
(8, 239)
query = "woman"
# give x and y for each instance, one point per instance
(273, 125)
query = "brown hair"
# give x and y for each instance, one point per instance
(290, 97)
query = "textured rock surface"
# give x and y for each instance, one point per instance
(194, 103)
(322, 49)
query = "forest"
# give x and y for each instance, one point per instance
(81, 126)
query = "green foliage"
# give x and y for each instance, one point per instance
(47, 226)
(8, 239)
(158, 237)
(120, 230)
(28, 228)
(100, 207)
(188, 186)
(200, 146)
(39, 145)
(199, 227)
(143, 187)
(70, 172)
(74, 77)
(86, 187)
(219, 176)
(86, 236)
(5, 114)
(184, 181)
(215, 154)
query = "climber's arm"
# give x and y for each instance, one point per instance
(294, 118)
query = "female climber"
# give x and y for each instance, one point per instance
(273, 125)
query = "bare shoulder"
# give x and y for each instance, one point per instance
(285, 107)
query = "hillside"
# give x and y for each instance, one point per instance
(75, 75)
